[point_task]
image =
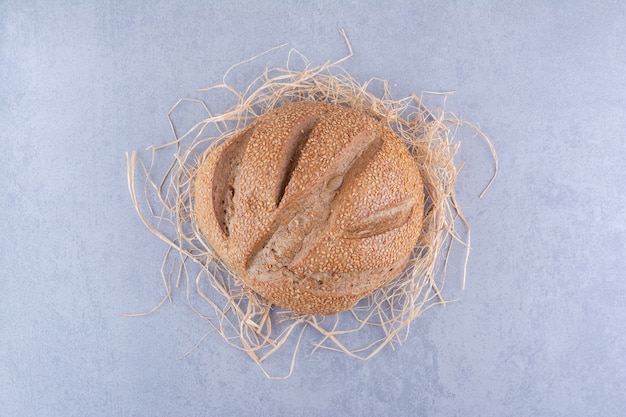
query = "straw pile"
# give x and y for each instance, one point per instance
(243, 318)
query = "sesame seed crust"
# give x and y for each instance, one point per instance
(314, 205)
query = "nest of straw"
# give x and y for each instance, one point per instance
(244, 319)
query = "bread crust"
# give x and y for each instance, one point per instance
(313, 205)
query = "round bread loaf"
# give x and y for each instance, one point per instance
(313, 205)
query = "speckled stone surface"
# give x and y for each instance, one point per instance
(539, 329)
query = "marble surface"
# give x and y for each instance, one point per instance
(539, 329)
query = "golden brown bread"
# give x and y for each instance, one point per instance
(313, 205)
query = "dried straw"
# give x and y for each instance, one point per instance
(240, 316)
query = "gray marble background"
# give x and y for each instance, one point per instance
(539, 329)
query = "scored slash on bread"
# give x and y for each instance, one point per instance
(313, 205)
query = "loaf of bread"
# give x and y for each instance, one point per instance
(313, 205)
